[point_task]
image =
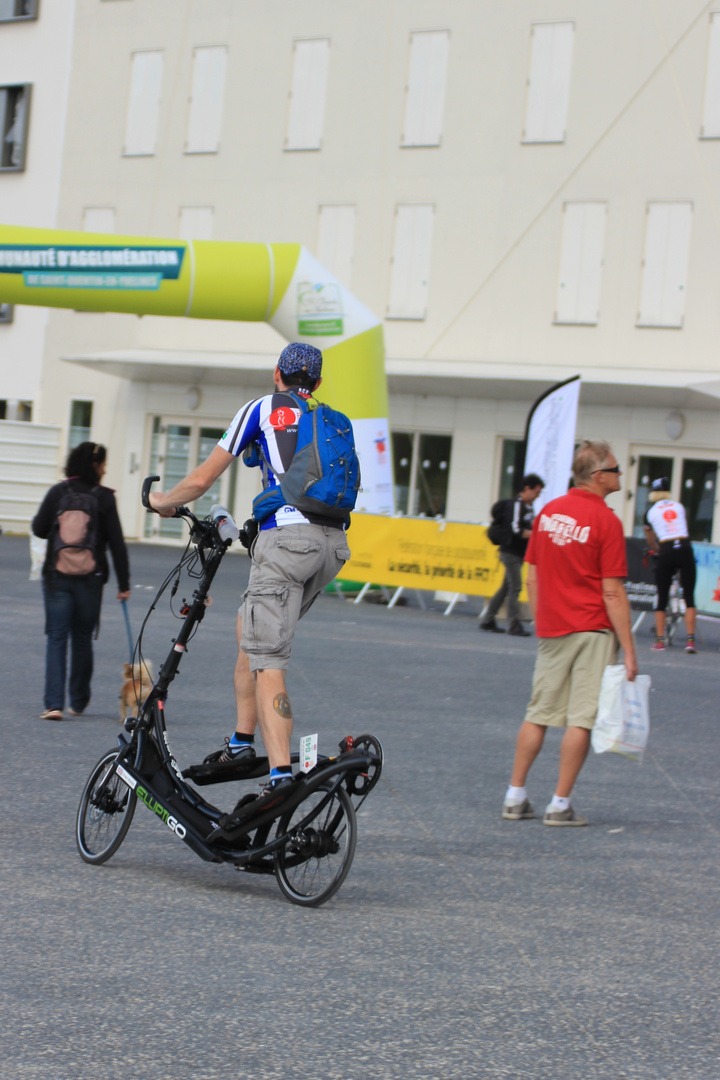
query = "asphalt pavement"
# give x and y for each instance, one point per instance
(460, 945)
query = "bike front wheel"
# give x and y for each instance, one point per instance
(105, 812)
(312, 865)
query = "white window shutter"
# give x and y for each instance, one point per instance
(425, 96)
(336, 241)
(548, 94)
(196, 223)
(711, 111)
(306, 117)
(581, 262)
(665, 264)
(409, 280)
(143, 111)
(206, 100)
(99, 219)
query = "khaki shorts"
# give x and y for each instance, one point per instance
(291, 566)
(566, 682)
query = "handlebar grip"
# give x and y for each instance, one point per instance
(147, 484)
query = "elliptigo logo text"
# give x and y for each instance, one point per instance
(162, 813)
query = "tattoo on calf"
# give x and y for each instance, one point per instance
(281, 705)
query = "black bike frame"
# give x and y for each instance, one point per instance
(146, 764)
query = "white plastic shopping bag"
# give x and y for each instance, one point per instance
(37, 556)
(622, 725)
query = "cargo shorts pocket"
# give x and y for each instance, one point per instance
(265, 620)
(298, 544)
(343, 553)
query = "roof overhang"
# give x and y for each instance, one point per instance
(445, 378)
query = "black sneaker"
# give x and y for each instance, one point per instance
(230, 754)
(518, 630)
(492, 626)
(272, 795)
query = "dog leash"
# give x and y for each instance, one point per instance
(127, 627)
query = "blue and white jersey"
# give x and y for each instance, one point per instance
(272, 423)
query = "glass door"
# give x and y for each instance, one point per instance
(176, 447)
(421, 465)
(649, 468)
(697, 494)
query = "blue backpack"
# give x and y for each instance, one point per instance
(324, 475)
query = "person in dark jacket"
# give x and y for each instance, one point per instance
(72, 601)
(512, 553)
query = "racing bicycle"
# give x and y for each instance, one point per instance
(306, 839)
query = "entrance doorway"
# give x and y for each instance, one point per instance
(176, 447)
(693, 482)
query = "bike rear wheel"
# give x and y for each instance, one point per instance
(105, 812)
(313, 864)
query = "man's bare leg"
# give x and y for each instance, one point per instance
(573, 751)
(529, 744)
(244, 690)
(274, 715)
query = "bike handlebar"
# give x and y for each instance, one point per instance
(180, 511)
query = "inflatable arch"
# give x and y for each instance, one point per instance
(281, 284)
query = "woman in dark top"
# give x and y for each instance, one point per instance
(72, 600)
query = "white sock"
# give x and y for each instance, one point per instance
(515, 794)
(558, 803)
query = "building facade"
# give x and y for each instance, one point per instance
(522, 192)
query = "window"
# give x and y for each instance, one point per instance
(7, 313)
(425, 91)
(306, 116)
(548, 92)
(80, 423)
(143, 111)
(581, 261)
(512, 459)
(14, 116)
(667, 248)
(206, 100)
(99, 219)
(711, 113)
(411, 262)
(421, 467)
(196, 223)
(13, 10)
(697, 494)
(16, 410)
(336, 240)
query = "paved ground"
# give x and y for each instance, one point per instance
(460, 945)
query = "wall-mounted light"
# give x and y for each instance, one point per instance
(674, 424)
(193, 397)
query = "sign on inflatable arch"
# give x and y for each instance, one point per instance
(281, 284)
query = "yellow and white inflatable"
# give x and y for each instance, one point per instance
(281, 284)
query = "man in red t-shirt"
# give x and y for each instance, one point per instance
(575, 585)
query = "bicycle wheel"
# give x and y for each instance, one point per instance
(104, 813)
(313, 864)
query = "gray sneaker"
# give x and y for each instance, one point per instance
(554, 816)
(518, 811)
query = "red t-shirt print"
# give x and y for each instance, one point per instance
(576, 542)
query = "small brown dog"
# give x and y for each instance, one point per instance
(138, 683)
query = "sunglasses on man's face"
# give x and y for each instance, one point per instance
(615, 469)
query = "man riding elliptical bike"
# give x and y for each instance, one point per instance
(294, 556)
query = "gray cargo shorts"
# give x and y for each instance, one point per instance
(291, 566)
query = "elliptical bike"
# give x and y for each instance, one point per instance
(307, 840)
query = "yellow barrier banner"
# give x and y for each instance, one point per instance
(421, 553)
